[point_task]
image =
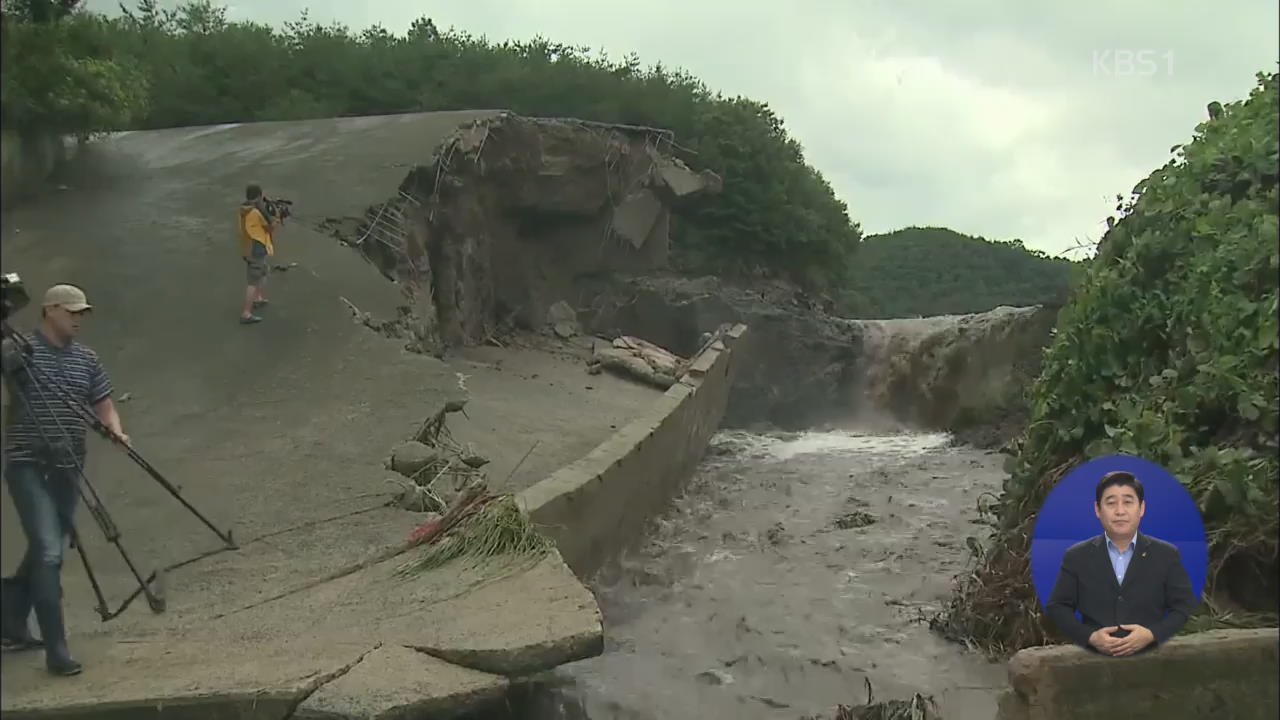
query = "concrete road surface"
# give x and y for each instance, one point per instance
(279, 425)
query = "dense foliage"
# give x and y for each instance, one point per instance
(1168, 350)
(153, 68)
(63, 73)
(936, 271)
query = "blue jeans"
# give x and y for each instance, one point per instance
(45, 500)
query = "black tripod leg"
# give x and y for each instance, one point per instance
(112, 533)
(155, 475)
(103, 612)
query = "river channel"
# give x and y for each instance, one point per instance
(794, 568)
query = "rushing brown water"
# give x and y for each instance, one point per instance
(794, 568)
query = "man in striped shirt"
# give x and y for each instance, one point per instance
(44, 447)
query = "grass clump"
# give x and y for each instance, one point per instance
(496, 530)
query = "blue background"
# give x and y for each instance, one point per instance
(1067, 517)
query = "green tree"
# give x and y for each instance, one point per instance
(62, 73)
(936, 271)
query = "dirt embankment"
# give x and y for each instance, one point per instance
(494, 232)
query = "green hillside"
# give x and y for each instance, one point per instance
(937, 271)
(1168, 350)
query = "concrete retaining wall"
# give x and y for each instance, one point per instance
(27, 161)
(598, 505)
(1216, 674)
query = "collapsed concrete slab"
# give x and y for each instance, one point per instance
(395, 681)
(520, 625)
(511, 212)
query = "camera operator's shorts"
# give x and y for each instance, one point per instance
(255, 270)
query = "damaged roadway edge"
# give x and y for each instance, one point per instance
(325, 679)
(398, 681)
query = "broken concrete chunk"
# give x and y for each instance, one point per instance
(410, 457)
(563, 320)
(635, 216)
(676, 177)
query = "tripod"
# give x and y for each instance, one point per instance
(27, 377)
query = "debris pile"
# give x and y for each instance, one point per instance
(917, 707)
(435, 467)
(445, 479)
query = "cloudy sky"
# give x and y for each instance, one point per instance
(1000, 118)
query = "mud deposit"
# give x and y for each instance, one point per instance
(793, 567)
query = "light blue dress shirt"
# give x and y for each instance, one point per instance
(1120, 560)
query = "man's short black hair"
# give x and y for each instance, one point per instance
(253, 192)
(1119, 477)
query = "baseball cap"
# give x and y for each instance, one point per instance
(68, 296)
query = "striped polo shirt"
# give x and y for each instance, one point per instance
(74, 368)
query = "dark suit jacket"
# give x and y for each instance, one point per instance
(1156, 593)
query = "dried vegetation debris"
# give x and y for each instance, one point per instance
(917, 707)
(464, 520)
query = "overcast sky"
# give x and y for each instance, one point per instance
(1000, 118)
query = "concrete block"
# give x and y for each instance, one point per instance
(1223, 673)
(522, 624)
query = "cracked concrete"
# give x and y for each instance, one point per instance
(278, 425)
(398, 682)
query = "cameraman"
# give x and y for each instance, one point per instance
(44, 444)
(257, 226)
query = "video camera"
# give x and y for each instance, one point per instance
(278, 208)
(13, 295)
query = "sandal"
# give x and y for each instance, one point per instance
(250, 320)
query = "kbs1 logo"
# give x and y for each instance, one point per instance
(1122, 63)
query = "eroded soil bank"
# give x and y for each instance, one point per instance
(795, 568)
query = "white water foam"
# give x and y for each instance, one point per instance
(780, 448)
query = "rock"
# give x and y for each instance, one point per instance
(562, 312)
(715, 676)
(475, 461)
(563, 320)
(855, 519)
(409, 457)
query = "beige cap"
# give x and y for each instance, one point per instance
(67, 296)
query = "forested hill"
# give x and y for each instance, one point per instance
(937, 271)
(72, 71)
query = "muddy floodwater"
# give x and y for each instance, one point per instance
(794, 568)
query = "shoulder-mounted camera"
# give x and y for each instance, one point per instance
(13, 295)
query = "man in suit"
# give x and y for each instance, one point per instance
(1131, 590)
